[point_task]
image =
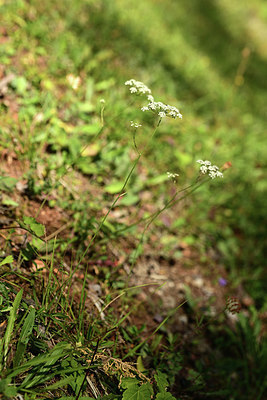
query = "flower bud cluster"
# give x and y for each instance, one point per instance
(211, 170)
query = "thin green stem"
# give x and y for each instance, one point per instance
(155, 215)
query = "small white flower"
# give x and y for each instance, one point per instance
(212, 170)
(135, 124)
(144, 109)
(162, 114)
(163, 110)
(150, 98)
(203, 169)
(152, 106)
(172, 176)
(137, 87)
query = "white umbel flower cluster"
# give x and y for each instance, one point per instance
(159, 108)
(163, 110)
(137, 87)
(211, 170)
(135, 124)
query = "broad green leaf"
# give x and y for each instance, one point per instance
(104, 85)
(162, 381)
(156, 180)
(127, 382)
(86, 107)
(135, 392)
(20, 84)
(7, 201)
(80, 398)
(7, 260)
(6, 389)
(165, 396)
(7, 183)
(114, 187)
(34, 226)
(89, 130)
(129, 199)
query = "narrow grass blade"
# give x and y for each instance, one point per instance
(61, 350)
(10, 324)
(26, 332)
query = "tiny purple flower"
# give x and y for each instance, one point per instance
(222, 282)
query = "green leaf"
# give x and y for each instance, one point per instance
(156, 180)
(140, 365)
(87, 129)
(86, 107)
(7, 201)
(162, 381)
(10, 324)
(135, 392)
(7, 183)
(127, 382)
(114, 187)
(61, 383)
(80, 398)
(129, 199)
(104, 85)
(34, 226)
(7, 260)
(6, 389)
(46, 369)
(20, 84)
(42, 360)
(165, 396)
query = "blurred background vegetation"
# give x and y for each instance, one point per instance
(208, 58)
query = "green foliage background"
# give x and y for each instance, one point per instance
(208, 58)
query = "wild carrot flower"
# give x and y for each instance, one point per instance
(163, 110)
(211, 170)
(137, 87)
(159, 108)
